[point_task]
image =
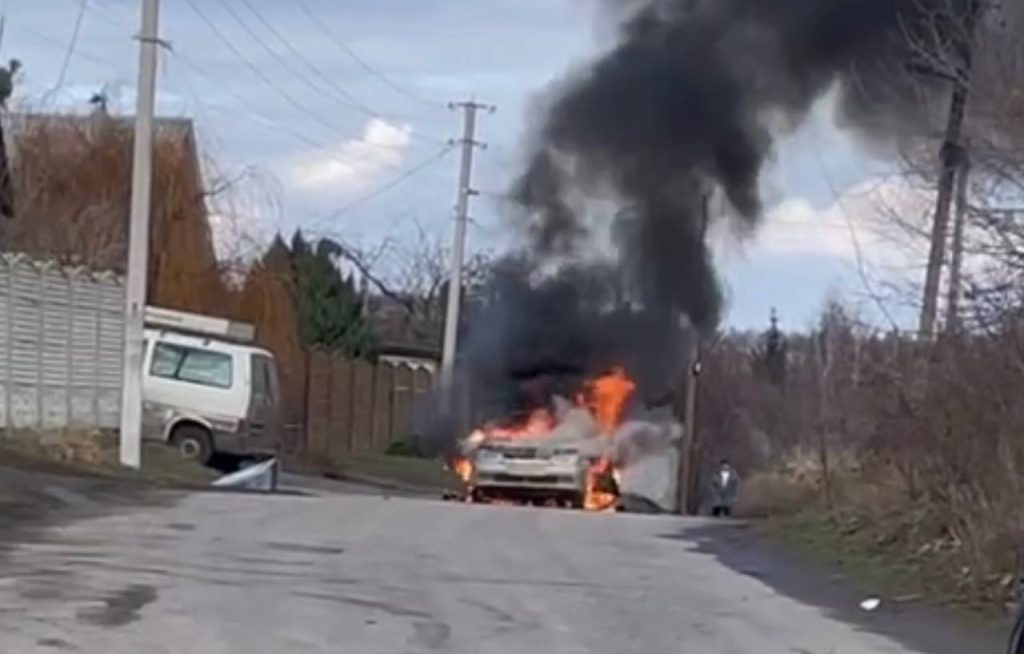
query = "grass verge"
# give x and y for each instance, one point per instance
(887, 546)
(387, 470)
(419, 473)
(95, 454)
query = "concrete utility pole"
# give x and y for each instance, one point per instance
(957, 257)
(7, 82)
(138, 239)
(451, 321)
(952, 153)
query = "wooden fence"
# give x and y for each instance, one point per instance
(355, 407)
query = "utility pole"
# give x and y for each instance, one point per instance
(951, 154)
(138, 239)
(688, 446)
(451, 321)
(956, 260)
(7, 81)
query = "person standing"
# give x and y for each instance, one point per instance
(724, 487)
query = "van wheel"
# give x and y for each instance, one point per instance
(193, 443)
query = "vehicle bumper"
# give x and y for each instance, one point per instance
(529, 484)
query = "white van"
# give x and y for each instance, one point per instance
(206, 391)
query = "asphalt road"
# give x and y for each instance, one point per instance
(364, 574)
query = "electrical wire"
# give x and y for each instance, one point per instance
(72, 44)
(117, 20)
(865, 280)
(347, 98)
(108, 14)
(261, 118)
(255, 70)
(337, 89)
(362, 63)
(388, 186)
(79, 52)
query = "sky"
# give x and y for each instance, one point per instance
(333, 117)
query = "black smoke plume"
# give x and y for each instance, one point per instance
(690, 99)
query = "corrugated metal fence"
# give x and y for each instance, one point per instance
(61, 331)
(353, 406)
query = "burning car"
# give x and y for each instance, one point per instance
(557, 454)
(534, 470)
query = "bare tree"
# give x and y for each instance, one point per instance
(410, 280)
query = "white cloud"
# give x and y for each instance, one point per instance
(864, 222)
(356, 162)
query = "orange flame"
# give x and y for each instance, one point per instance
(598, 499)
(607, 397)
(539, 423)
(463, 469)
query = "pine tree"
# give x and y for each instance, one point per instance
(770, 356)
(329, 306)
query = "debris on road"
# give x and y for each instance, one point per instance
(259, 477)
(870, 604)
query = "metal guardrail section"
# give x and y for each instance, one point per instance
(61, 332)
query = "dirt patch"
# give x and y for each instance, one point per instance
(121, 607)
(55, 643)
(304, 548)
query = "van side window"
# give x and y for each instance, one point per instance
(191, 365)
(263, 376)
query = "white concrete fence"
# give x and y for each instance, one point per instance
(61, 331)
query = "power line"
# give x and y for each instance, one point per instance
(255, 70)
(858, 252)
(263, 119)
(72, 44)
(337, 90)
(82, 54)
(387, 81)
(381, 190)
(319, 74)
(348, 98)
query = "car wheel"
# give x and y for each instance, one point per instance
(193, 443)
(577, 501)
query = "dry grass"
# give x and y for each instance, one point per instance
(72, 189)
(884, 540)
(93, 453)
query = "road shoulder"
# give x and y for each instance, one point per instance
(937, 630)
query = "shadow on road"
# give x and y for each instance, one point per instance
(922, 628)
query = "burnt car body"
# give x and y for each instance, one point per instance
(529, 470)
